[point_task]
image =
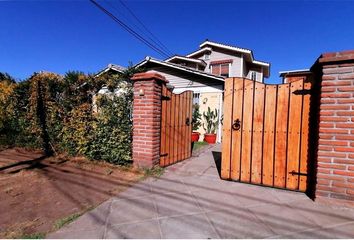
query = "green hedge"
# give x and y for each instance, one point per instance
(66, 114)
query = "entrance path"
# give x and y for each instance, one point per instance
(190, 201)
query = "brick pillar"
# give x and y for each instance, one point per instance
(335, 171)
(146, 118)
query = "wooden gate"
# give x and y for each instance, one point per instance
(176, 126)
(265, 133)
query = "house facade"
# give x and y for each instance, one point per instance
(203, 72)
(224, 60)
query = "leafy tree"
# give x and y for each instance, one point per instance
(6, 77)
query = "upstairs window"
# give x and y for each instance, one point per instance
(206, 56)
(221, 69)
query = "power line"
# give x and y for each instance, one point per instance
(158, 42)
(130, 30)
(123, 15)
(139, 27)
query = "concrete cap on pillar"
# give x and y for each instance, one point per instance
(337, 56)
(148, 76)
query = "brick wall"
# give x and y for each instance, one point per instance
(335, 171)
(146, 118)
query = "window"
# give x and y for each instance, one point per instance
(254, 75)
(221, 69)
(224, 70)
(206, 56)
(196, 98)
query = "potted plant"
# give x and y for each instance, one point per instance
(211, 124)
(196, 122)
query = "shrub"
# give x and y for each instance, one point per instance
(7, 125)
(112, 135)
(57, 113)
(196, 117)
(76, 133)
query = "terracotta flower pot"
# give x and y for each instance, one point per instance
(195, 136)
(210, 138)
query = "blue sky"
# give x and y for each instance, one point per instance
(74, 35)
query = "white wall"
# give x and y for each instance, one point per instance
(208, 89)
(180, 79)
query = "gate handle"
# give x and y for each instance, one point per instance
(188, 121)
(237, 125)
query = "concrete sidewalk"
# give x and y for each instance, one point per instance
(190, 201)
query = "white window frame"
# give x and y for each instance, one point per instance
(195, 98)
(219, 74)
(253, 75)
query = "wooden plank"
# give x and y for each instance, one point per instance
(183, 126)
(180, 111)
(179, 132)
(185, 110)
(304, 139)
(281, 136)
(176, 127)
(293, 150)
(227, 122)
(172, 137)
(168, 129)
(190, 109)
(247, 131)
(189, 128)
(163, 128)
(269, 132)
(236, 111)
(180, 126)
(257, 139)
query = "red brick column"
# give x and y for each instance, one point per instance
(146, 118)
(335, 172)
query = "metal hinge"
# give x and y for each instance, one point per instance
(164, 155)
(166, 98)
(297, 173)
(302, 92)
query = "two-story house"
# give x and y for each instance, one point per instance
(204, 70)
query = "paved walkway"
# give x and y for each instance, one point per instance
(190, 201)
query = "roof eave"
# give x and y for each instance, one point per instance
(265, 64)
(198, 51)
(106, 69)
(295, 72)
(168, 64)
(197, 61)
(242, 50)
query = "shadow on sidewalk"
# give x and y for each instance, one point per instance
(217, 159)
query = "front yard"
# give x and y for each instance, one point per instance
(39, 195)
